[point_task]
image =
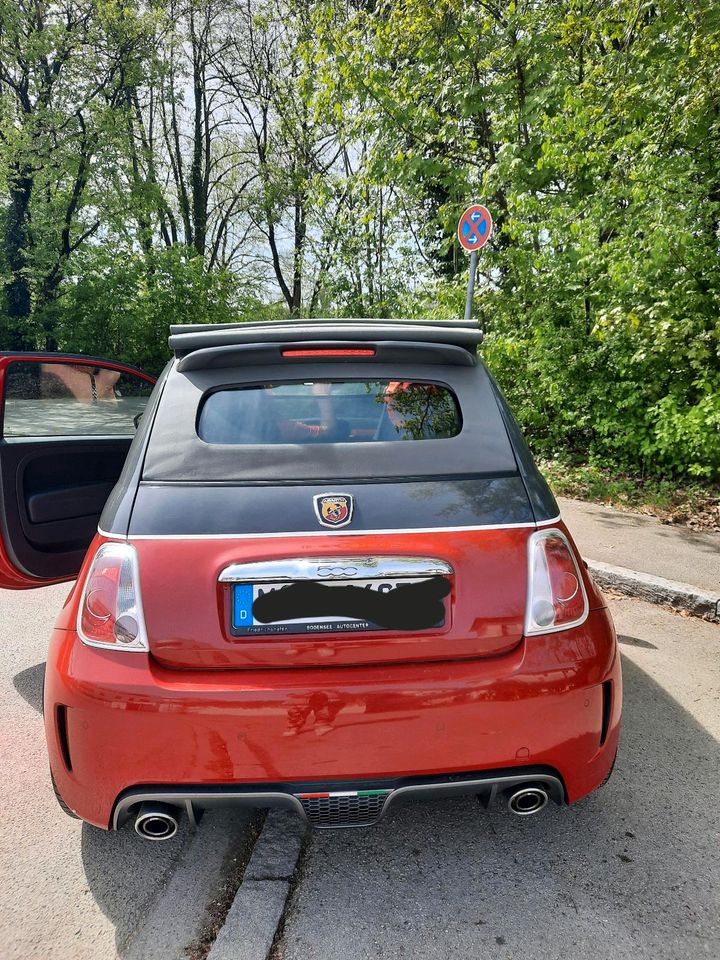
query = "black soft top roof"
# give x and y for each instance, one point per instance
(175, 452)
(168, 453)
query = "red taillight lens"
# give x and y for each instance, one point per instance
(110, 613)
(556, 596)
(340, 352)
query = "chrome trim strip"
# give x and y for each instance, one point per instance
(547, 523)
(329, 533)
(335, 568)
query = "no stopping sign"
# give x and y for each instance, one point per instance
(475, 227)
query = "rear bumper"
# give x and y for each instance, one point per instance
(119, 725)
(352, 804)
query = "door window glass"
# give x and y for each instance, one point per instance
(71, 399)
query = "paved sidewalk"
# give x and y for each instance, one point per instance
(644, 544)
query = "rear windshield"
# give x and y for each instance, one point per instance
(321, 411)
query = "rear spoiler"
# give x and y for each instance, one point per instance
(425, 341)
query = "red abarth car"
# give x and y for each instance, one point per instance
(327, 576)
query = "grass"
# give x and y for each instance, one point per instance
(692, 503)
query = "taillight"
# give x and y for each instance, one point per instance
(556, 596)
(110, 613)
(339, 352)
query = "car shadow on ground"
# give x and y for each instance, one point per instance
(629, 872)
(635, 642)
(125, 873)
(618, 520)
(29, 684)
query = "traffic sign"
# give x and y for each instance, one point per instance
(475, 227)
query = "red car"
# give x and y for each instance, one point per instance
(327, 576)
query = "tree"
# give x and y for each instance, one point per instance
(294, 155)
(56, 86)
(591, 129)
(295, 150)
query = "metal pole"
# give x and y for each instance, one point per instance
(471, 285)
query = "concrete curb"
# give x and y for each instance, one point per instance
(259, 906)
(177, 916)
(645, 586)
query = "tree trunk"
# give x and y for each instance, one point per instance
(17, 229)
(298, 254)
(198, 189)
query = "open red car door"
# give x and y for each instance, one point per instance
(66, 424)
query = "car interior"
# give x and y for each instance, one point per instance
(53, 493)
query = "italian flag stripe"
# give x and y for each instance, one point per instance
(343, 793)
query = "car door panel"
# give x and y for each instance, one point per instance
(68, 503)
(53, 488)
(50, 515)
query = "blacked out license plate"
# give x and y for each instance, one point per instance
(245, 623)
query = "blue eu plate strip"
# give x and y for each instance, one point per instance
(242, 605)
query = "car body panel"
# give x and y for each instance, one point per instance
(127, 716)
(237, 510)
(187, 610)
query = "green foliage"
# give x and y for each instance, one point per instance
(592, 132)
(120, 303)
(162, 162)
(60, 125)
(617, 318)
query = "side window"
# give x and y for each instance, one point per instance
(51, 399)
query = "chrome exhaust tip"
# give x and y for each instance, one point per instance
(527, 800)
(156, 821)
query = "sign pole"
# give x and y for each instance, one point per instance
(474, 231)
(471, 285)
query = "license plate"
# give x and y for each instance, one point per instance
(244, 596)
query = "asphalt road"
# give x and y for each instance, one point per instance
(632, 871)
(70, 891)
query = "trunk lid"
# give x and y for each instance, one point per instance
(189, 598)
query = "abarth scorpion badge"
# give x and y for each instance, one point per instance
(333, 509)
